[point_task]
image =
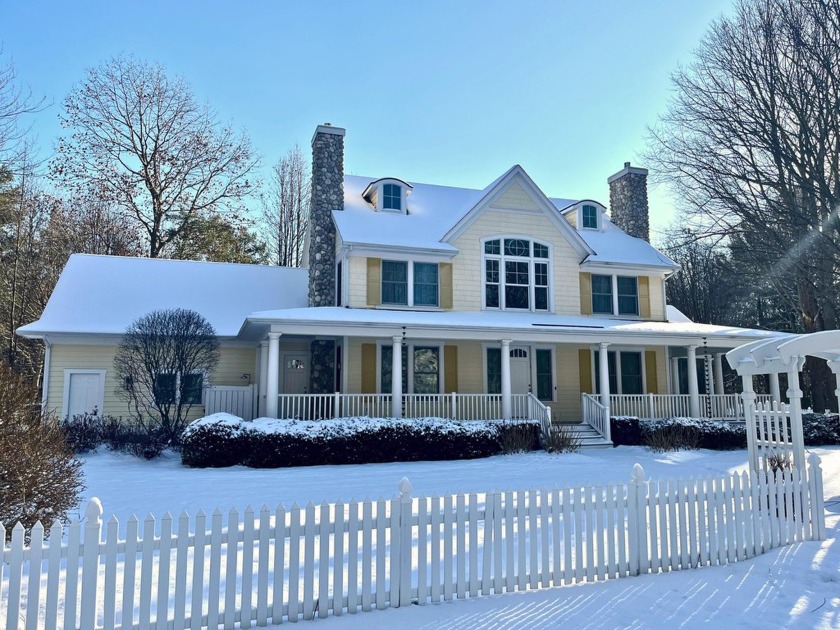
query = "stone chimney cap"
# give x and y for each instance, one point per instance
(329, 129)
(635, 170)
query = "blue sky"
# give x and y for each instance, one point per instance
(450, 93)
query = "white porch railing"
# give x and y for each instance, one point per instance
(453, 406)
(595, 415)
(659, 406)
(538, 411)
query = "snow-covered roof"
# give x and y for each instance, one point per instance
(673, 314)
(496, 322)
(104, 294)
(434, 210)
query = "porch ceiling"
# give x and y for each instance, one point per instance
(492, 326)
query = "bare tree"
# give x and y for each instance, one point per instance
(162, 363)
(286, 209)
(141, 142)
(751, 143)
(15, 102)
(40, 480)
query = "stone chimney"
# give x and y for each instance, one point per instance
(629, 201)
(327, 195)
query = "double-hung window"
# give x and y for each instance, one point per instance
(391, 197)
(602, 302)
(406, 283)
(425, 284)
(589, 217)
(394, 282)
(625, 290)
(169, 388)
(516, 274)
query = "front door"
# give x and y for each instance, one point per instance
(84, 394)
(295, 372)
(520, 370)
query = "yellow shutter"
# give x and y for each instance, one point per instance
(374, 281)
(585, 362)
(644, 297)
(585, 293)
(445, 272)
(450, 360)
(368, 368)
(650, 372)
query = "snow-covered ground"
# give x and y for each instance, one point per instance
(795, 586)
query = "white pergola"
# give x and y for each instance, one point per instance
(783, 354)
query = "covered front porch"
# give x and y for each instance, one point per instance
(335, 362)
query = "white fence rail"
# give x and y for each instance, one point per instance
(660, 406)
(596, 415)
(287, 564)
(240, 401)
(453, 406)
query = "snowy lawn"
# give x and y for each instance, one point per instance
(795, 586)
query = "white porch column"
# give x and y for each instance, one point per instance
(748, 402)
(775, 388)
(273, 379)
(693, 392)
(396, 376)
(263, 377)
(794, 394)
(675, 375)
(835, 367)
(507, 403)
(604, 375)
(719, 388)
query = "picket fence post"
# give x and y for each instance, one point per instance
(815, 487)
(90, 562)
(637, 520)
(405, 542)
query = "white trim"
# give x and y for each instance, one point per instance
(409, 302)
(45, 375)
(65, 400)
(614, 286)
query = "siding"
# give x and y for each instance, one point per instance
(234, 362)
(657, 306)
(515, 198)
(357, 282)
(467, 265)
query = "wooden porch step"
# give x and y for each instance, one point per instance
(589, 437)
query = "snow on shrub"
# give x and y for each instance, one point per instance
(719, 435)
(225, 440)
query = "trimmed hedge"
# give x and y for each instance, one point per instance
(223, 440)
(818, 430)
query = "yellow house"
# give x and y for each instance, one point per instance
(499, 303)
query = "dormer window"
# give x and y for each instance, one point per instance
(391, 197)
(589, 217)
(388, 195)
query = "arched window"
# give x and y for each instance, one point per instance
(516, 274)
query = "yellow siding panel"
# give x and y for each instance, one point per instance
(233, 363)
(515, 198)
(657, 304)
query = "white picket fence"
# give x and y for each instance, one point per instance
(301, 563)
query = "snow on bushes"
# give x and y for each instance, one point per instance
(818, 430)
(222, 440)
